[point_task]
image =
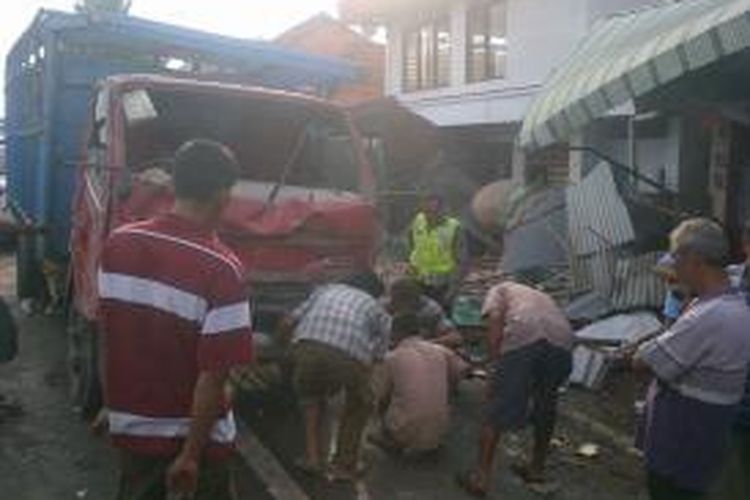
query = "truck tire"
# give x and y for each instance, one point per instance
(83, 373)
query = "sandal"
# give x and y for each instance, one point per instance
(467, 482)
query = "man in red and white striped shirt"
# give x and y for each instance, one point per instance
(175, 318)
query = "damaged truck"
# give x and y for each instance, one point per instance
(98, 106)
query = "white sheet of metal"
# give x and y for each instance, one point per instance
(597, 215)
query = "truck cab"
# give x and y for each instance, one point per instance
(301, 214)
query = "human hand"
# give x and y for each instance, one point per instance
(182, 476)
(100, 424)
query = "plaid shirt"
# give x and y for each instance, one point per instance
(345, 318)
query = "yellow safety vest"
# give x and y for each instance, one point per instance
(433, 252)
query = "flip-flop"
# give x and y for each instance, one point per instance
(465, 481)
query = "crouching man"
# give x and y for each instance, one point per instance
(413, 387)
(339, 333)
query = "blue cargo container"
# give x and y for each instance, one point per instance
(50, 75)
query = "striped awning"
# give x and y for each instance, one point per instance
(628, 55)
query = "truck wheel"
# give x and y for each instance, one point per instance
(83, 373)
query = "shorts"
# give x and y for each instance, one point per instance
(524, 386)
(321, 371)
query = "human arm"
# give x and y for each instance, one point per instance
(451, 339)
(379, 322)
(463, 263)
(446, 334)
(457, 367)
(382, 385)
(495, 333)
(290, 321)
(223, 342)
(208, 397)
(673, 353)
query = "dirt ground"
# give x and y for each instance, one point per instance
(47, 452)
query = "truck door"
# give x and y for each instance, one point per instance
(91, 209)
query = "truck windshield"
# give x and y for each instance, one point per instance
(279, 141)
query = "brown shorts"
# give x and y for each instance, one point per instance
(144, 477)
(320, 371)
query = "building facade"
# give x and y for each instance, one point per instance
(473, 67)
(325, 36)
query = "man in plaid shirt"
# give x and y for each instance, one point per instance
(339, 333)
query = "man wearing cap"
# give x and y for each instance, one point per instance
(699, 365)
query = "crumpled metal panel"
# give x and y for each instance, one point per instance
(637, 285)
(597, 215)
(619, 329)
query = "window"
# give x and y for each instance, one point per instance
(487, 43)
(427, 55)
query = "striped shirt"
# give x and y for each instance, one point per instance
(705, 354)
(346, 318)
(173, 303)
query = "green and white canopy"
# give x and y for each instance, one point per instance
(628, 55)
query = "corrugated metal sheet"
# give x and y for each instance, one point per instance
(636, 284)
(625, 283)
(629, 55)
(588, 307)
(597, 215)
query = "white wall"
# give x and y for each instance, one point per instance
(541, 33)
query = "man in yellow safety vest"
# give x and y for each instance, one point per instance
(435, 245)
